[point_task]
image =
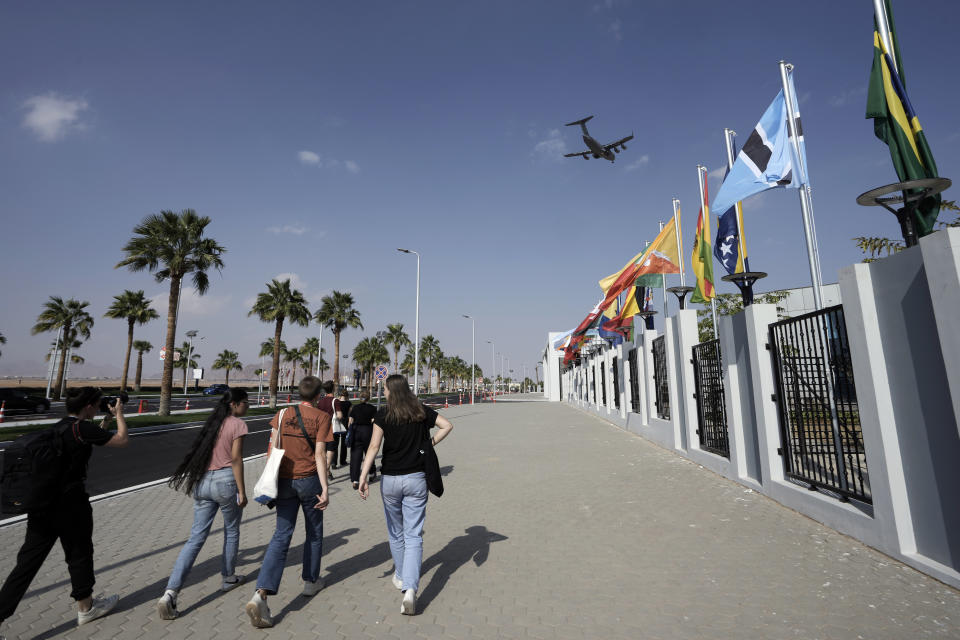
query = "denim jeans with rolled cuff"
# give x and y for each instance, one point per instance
(294, 495)
(405, 508)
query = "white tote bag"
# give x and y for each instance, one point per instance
(335, 422)
(265, 491)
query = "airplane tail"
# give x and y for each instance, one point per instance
(580, 122)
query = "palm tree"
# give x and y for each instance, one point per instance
(337, 313)
(368, 353)
(182, 363)
(406, 367)
(309, 350)
(396, 336)
(431, 355)
(171, 246)
(70, 316)
(141, 347)
(228, 361)
(279, 303)
(295, 357)
(134, 307)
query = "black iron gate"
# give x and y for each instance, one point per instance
(616, 383)
(711, 409)
(660, 378)
(634, 381)
(822, 444)
(593, 384)
(603, 384)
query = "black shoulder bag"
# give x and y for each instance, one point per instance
(431, 465)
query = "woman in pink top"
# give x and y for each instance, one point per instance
(212, 472)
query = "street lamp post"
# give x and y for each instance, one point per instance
(416, 329)
(473, 357)
(493, 360)
(186, 365)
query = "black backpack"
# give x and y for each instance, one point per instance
(33, 468)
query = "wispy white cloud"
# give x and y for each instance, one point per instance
(616, 28)
(847, 96)
(716, 174)
(552, 147)
(295, 280)
(51, 117)
(191, 303)
(334, 122)
(314, 159)
(295, 229)
(308, 157)
(640, 162)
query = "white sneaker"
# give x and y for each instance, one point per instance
(259, 612)
(408, 606)
(231, 582)
(167, 606)
(397, 582)
(311, 589)
(98, 608)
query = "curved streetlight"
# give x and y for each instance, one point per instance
(473, 357)
(493, 371)
(416, 329)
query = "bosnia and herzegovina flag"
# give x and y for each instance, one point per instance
(895, 122)
(702, 256)
(660, 257)
(729, 235)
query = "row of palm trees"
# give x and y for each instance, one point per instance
(172, 247)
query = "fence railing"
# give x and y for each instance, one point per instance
(616, 383)
(822, 443)
(661, 383)
(711, 403)
(634, 381)
(603, 385)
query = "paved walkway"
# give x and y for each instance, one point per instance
(555, 524)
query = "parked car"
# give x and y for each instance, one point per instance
(19, 401)
(216, 390)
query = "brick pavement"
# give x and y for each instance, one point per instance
(555, 524)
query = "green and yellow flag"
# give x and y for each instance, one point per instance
(702, 255)
(896, 124)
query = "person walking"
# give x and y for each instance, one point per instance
(331, 406)
(340, 454)
(361, 421)
(212, 472)
(68, 517)
(304, 431)
(402, 426)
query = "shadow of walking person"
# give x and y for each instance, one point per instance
(462, 549)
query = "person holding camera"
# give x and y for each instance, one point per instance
(67, 515)
(212, 472)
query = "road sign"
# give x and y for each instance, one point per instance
(176, 355)
(163, 353)
(380, 373)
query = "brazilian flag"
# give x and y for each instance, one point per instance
(896, 123)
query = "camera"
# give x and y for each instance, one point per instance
(108, 401)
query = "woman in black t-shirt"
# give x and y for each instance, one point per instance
(401, 427)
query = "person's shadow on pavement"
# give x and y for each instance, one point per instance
(458, 552)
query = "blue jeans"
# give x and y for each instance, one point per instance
(299, 493)
(405, 507)
(216, 490)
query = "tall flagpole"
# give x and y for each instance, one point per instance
(705, 212)
(663, 280)
(805, 207)
(728, 135)
(677, 227)
(883, 26)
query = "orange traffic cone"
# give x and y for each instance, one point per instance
(140, 407)
(187, 408)
(288, 397)
(3, 406)
(461, 399)
(261, 401)
(446, 405)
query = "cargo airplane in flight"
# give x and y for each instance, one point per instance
(596, 149)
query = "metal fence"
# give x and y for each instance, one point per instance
(822, 444)
(634, 381)
(603, 384)
(711, 409)
(616, 383)
(662, 386)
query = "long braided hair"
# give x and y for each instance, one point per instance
(197, 460)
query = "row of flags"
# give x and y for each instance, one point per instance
(773, 156)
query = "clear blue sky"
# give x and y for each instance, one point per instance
(319, 137)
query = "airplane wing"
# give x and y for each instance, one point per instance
(582, 154)
(618, 142)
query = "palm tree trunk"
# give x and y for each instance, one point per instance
(396, 354)
(61, 367)
(370, 380)
(275, 369)
(336, 362)
(185, 365)
(226, 377)
(136, 382)
(126, 359)
(166, 381)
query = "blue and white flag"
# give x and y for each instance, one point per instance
(726, 248)
(767, 158)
